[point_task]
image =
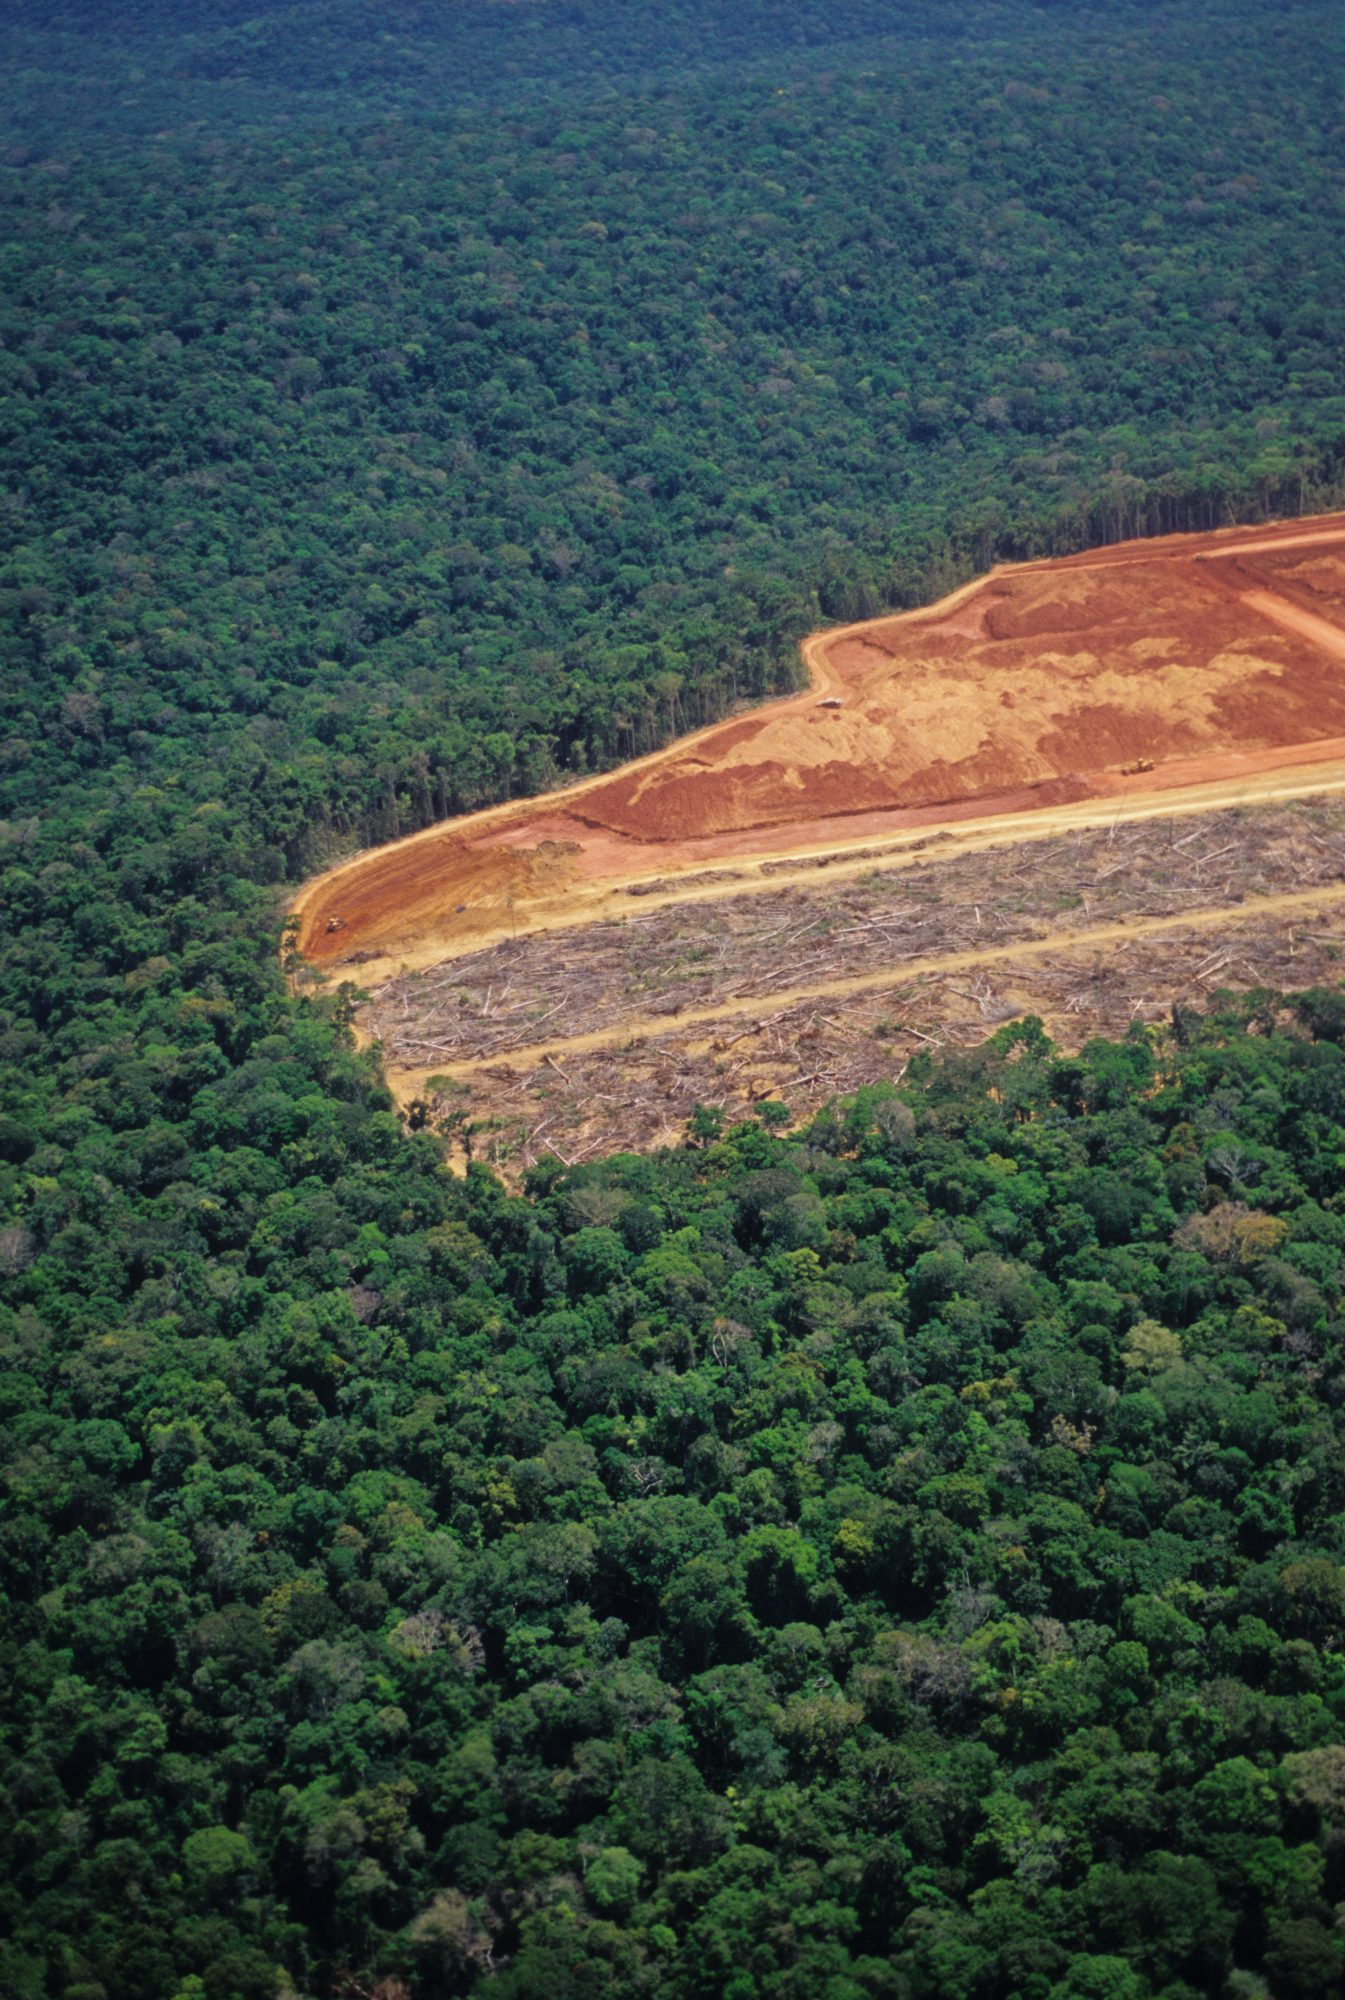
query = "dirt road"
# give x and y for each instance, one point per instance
(597, 902)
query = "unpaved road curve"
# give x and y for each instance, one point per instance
(309, 912)
(1059, 944)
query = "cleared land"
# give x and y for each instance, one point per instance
(1215, 659)
(575, 1041)
(1087, 789)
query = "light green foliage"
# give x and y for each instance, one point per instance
(613, 1881)
(215, 1855)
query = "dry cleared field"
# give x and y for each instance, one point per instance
(581, 1041)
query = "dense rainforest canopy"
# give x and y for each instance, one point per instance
(388, 466)
(902, 1558)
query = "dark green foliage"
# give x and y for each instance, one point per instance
(389, 469)
(405, 1576)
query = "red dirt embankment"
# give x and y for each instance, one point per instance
(1203, 656)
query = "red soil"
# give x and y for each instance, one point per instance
(1206, 654)
(1312, 578)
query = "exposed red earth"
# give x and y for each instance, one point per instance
(1143, 668)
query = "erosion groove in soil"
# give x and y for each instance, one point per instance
(1037, 697)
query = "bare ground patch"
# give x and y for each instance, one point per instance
(1179, 663)
(585, 1040)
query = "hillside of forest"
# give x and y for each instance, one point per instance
(374, 473)
(885, 1550)
(902, 1559)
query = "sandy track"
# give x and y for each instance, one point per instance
(1307, 624)
(1270, 538)
(1057, 676)
(319, 896)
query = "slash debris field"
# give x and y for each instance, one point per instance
(1081, 789)
(571, 1041)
